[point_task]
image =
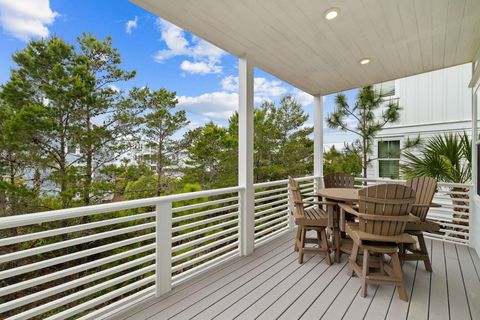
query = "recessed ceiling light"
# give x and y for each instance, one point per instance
(365, 61)
(331, 13)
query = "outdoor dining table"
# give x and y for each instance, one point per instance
(337, 220)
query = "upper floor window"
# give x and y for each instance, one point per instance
(386, 88)
(389, 159)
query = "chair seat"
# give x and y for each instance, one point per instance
(364, 238)
(314, 216)
(427, 225)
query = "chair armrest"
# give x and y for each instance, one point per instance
(431, 205)
(376, 217)
(328, 203)
(348, 208)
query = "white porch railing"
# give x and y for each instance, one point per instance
(454, 213)
(89, 261)
(272, 209)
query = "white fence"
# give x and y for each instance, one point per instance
(85, 262)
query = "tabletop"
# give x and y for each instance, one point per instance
(338, 194)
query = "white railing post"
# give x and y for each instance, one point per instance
(163, 249)
(291, 221)
(245, 156)
(318, 140)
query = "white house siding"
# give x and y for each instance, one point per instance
(432, 103)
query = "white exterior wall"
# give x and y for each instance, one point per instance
(432, 103)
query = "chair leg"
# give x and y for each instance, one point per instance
(325, 246)
(297, 239)
(397, 273)
(365, 270)
(381, 262)
(302, 245)
(353, 259)
(424, 252)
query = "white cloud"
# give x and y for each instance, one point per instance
(262, 87)
(26, 19)
(200, 67)
(214, 105)
(131, 24)
(303, 98)
(205, 57)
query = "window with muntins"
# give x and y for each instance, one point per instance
(386, 88)
(389, 159)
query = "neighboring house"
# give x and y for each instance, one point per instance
(432, 103)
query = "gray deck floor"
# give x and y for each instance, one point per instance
(271, 284)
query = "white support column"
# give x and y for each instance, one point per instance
(318, 139)
(245, 155)
(163, 259)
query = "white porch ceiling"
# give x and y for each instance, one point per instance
(293, 41)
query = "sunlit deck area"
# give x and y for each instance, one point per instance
(271, 284)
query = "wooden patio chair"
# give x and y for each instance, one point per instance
(383, 212)
(425, 188)
(338, 180)
(313, 218)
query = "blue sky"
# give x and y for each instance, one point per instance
(203, 76)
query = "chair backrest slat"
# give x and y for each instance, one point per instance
(385, 200)
(338, 180)
(425, 188)
(295, 197)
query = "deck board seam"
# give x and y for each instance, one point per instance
(328, 284)
(351, 302)
(411, 290)
(240, 298)
(288, 237)
(270, 290)
(231, 282)
(370, 303)
(288, 289)
(336, 296)
(309, 286)
(430, 281)
(473, 262)
(446, 282)
(463, 282)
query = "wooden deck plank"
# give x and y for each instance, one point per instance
(456, 290)
(270, 284)
(420, 298)
(398, 308)
(339, 306)
(471, 280)
(311, 270)
(194, 304)
(298, 306)
(251, 305)
(278, 306)
(438, 288)
(359, 306)
(381, 302)
(214, 305)
(261, 256)
(320, 305)
(475, 259)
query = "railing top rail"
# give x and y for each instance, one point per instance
(278, 182)
(54, 215)
(440, 183)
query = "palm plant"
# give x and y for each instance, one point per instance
(447, 158)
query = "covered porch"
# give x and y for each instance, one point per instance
(228, 253)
